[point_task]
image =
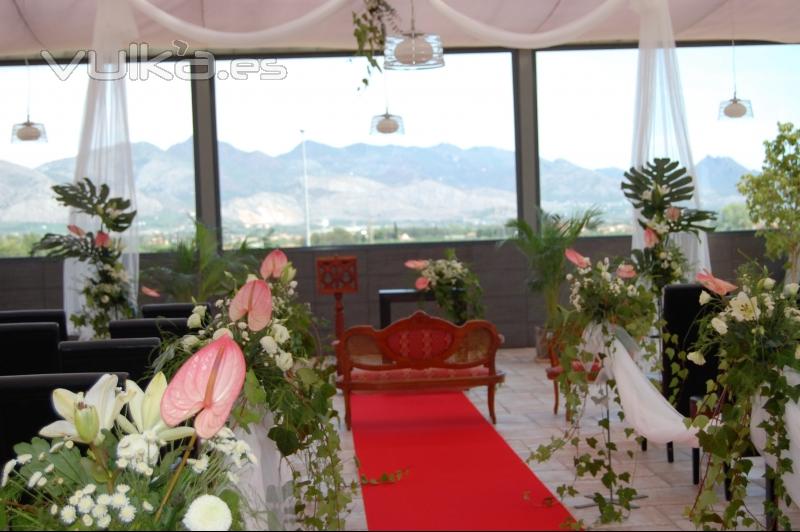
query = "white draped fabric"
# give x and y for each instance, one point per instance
(104, 155)
(660, 128)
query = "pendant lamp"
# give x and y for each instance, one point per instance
(28, 131)
(735, 107)
(413, 50)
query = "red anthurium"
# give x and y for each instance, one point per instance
(422, 283)
(77, 231)
(102, 239)
(718, 286)
(146, 290)
(254, 299)
(650, 238)
(207, 385)
(273, 264)
(626, 271)
(576, 258)
(416, 264)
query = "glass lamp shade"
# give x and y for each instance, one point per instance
(28, 132)
(735, 108)
(413, 51)
(387, 124)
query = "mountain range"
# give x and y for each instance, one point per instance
(351, 186)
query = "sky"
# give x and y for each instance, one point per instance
(586, 101)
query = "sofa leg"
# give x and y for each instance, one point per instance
(555, 397)
(644, 444)
(347, 409)
(696, 465)
(491, 404)
(670, 452)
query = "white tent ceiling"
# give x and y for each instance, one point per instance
(62, 26)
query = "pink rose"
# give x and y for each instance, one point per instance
(673, 214)
(102, 239)
(146, 290)
(273, 264)
(576, 258)
(422, 283)
(77, 231)
(626, 271)
(650, 238)
(718, 286)
(416, 264)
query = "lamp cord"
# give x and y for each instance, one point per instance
(28, 73)
(733, 44)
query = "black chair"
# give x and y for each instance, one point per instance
(37, 316)
(148, 328)
(28, 348)
(26, 404)
(168, 310)
(131, 355)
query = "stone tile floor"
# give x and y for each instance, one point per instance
(525, 419)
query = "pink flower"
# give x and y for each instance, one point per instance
(626, 271)
(146, 290)
(673, 214)
(77, 231)
(417, 264)
(422, 283)
(577, 259)
(207, 385)
(650, 238)
(273, 264)
(718, 286)
(102, 239)
(255, 300)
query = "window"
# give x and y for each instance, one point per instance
(160, 122)
(586, 106)
(450, 176)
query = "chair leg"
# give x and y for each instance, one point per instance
(696, 465)
(347, 408)
(728, 495)
(772, 522)
(555, 397)
(644, 444)
(670, 452)
(491, 404)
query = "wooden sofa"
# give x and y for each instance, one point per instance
(419, 352)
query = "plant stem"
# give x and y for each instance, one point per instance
(174, 480)
(102, 461)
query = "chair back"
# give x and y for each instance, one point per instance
(129, 355)
(148, 328)
(26, 404)
(37, 316)
(682, 312)
(168, 310)
(28, 348)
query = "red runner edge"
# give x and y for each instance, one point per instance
(458, 472)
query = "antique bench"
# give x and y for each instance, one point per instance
(419, 352)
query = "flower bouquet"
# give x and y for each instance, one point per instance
(455, 288)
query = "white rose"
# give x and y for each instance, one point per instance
(221, 332)
(251, 277)
(719, 326)
(280, 333)
(705, 297)
(768, 283)
(696, 357)
(791, 289)
(189, 341)
(200, 310)
(195, 321)
(284, 361)
(208, 512)
(269, 345)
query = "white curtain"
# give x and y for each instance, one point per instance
(104, 155)
(660, 128)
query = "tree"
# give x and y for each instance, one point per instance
(773, 198)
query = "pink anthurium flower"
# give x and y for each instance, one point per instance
(718, 286)
(146, 290)
(416, 264)
(255, 300)
(673, 214)
(207, 385)
(273, 264)
(576, 258)
(626, 271)
(102, 239)
(650, 238)
(422, 283)
(75, 230)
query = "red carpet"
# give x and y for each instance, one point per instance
(462, 475)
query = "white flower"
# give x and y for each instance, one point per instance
(56, 446)
(24, 458)
(68, 515)
(104, 499)
(147, 507)
(200, 310)
(208, 512)
(54, 510)
(222, 332)
(233, 477)
(99, 511)
(123, 488)
(34, 478)
(199, 465)
(89, 489)
(284, 361)
(189, 341)
(87, 520)
(138, 451)
(127, 514)
(768, 283)
(85, 504)
(705, 297)
(103, 397)
(744, 308)
(195, 321)
(104, 521)
(119, 500)
(10, 465)
(144, 408)
(696, 357)
(50, 468)
(251, 277)
(791, 289)
(280, 333)
(269, 345)
(720, 326)
(41, 483)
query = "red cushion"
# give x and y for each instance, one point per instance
(394, 375)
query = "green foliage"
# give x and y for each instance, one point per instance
(198, 271)
(369, 29)
(773, 197)
(755, 334)
(545, 249)
(734, 217)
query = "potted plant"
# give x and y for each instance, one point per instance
(773, 198)
(544, 250)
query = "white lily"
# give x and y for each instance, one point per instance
(103, 397)
(144, 408)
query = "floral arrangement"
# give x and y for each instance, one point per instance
(455, 287)
(369, 29)
(283, 378)
(107, 289)
(754, 329)
(605, 295)
(120, 460)
(655, 191)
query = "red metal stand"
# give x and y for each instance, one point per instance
(337, 276)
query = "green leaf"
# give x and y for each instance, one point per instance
(285, 439)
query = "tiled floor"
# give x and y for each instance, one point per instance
(525, 419)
